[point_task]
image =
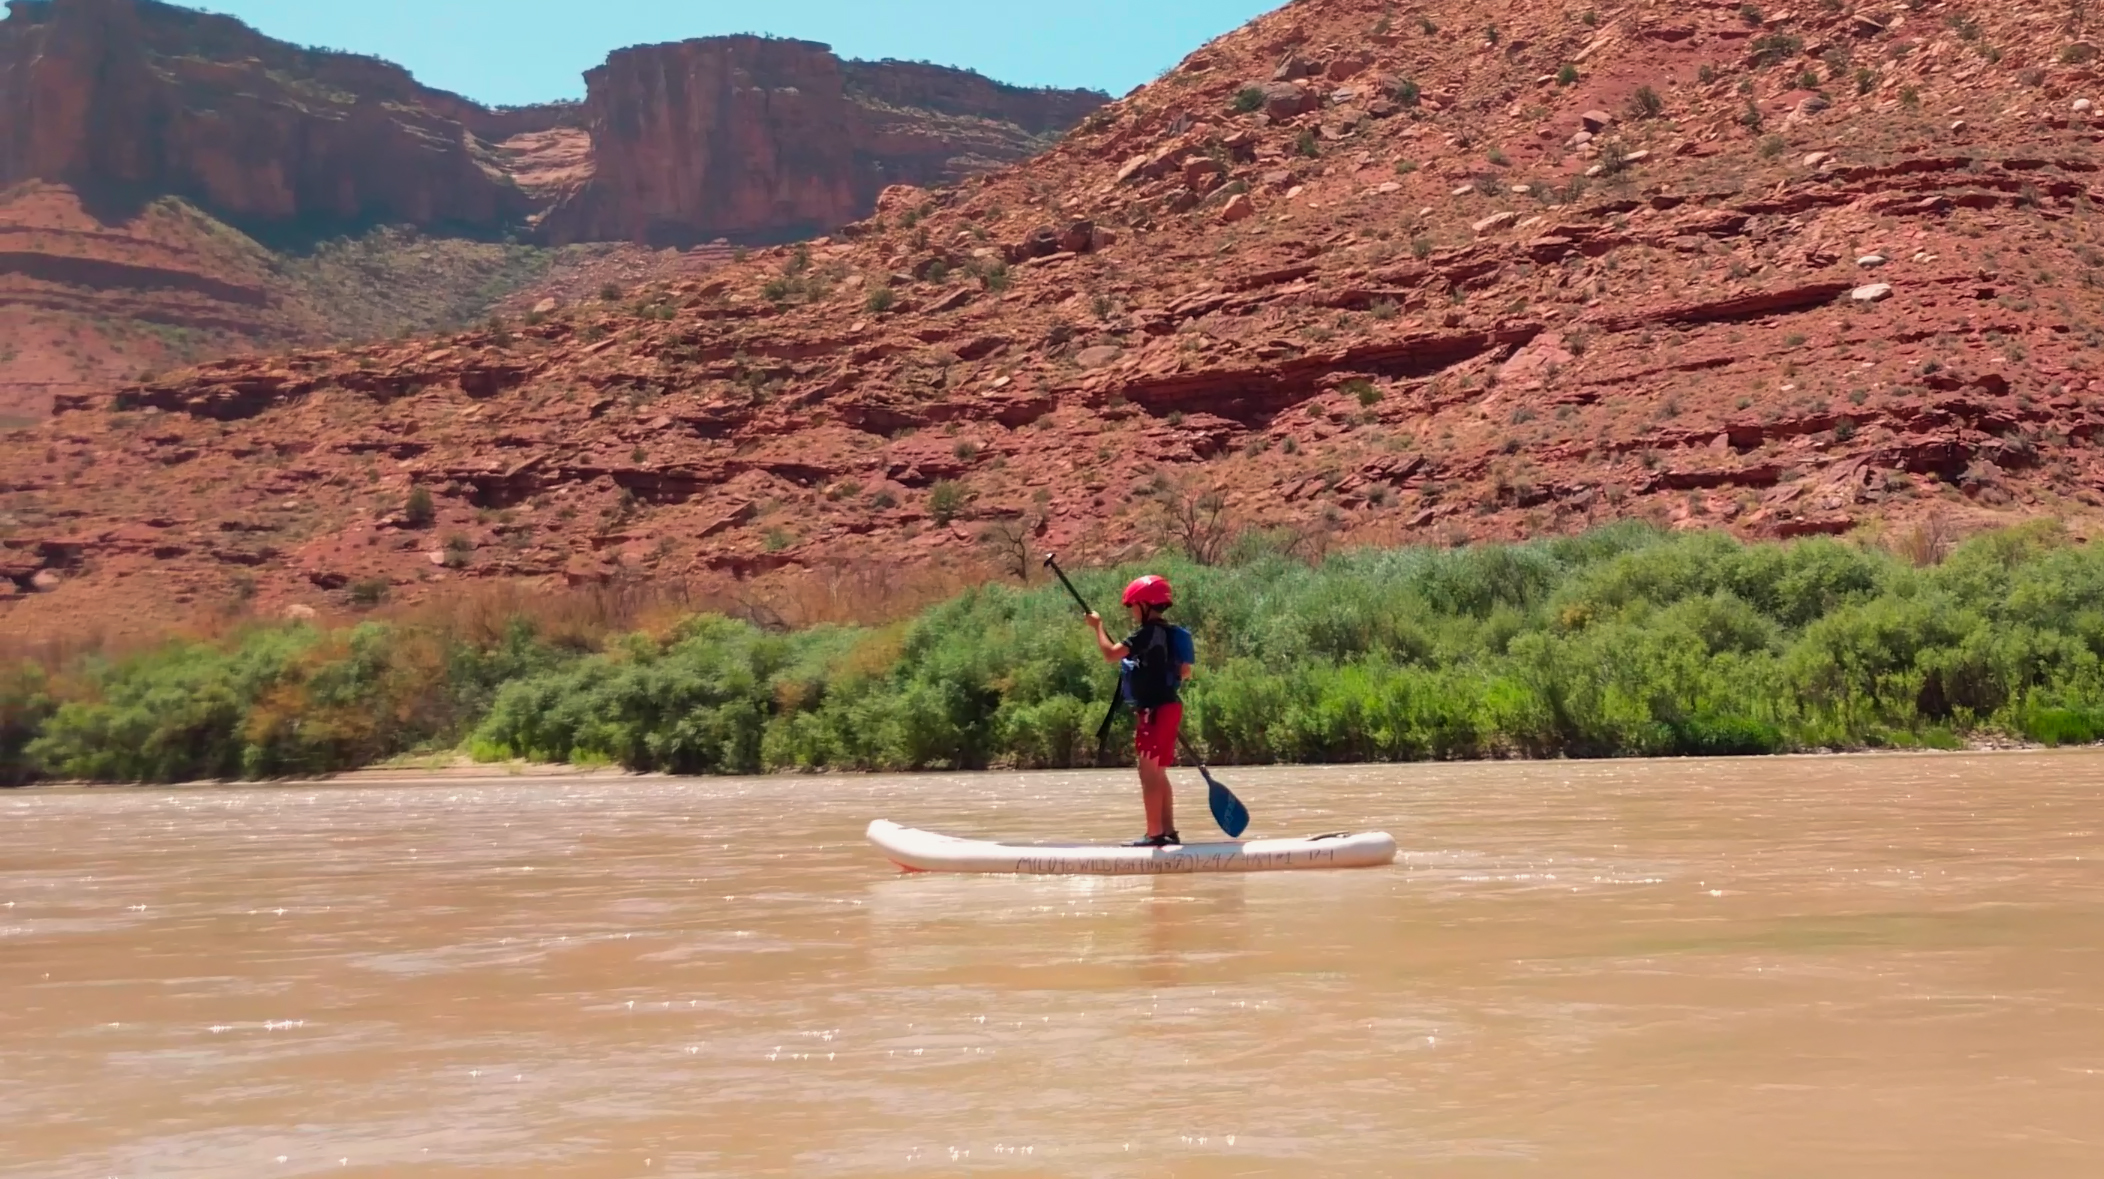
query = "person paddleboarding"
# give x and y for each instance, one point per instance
(1155, 662)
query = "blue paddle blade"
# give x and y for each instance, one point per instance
(1228, 810)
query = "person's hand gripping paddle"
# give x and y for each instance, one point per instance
(1228, 810)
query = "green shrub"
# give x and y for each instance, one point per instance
(25, 706)
(881, 299)
(2064, 726)
(420, 511)
(1249, 99)
(946, 499)
(1774, 48)
(369, 592)
(1626, 640)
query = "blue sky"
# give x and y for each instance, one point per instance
(520, 51)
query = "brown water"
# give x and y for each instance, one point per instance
(1802, 967)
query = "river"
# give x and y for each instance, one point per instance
(1866, 966)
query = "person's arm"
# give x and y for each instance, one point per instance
(1187, 653)
(1112, 652)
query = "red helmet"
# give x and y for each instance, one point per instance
(1148, 591)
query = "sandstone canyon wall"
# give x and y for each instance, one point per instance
(765, 140)
(948, 91)
(134, 98)
(133, 133)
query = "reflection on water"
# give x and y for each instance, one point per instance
(1874, 966)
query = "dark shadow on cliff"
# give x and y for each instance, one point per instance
(116, 205)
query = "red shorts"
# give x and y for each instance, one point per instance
(1154, 734)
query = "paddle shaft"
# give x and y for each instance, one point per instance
(1053, 564)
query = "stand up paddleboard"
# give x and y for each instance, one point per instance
(925, 851)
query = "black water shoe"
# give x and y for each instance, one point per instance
(1171, 839)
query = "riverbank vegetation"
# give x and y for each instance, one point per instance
(1622, 641)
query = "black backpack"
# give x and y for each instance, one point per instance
(1147, 679)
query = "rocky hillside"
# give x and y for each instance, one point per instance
(113, 113)
(1355, 271)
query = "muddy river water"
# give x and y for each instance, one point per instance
(1879, 966)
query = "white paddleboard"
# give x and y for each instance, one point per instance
(925, 851)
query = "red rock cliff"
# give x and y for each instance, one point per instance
(138, 97)
(766, 140)
(962, 92)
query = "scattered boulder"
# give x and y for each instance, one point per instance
(46, 580)
(1292, 68)
(1041, 242)
(2082, 106)
(1347, 66)
(1238, 208)
(1871, 260)
(1203, 173)
(1079, 237)
(298, 612)
(982, 347)
(546, 306)
(1284, 100)
(899, 197)
(1874, 293)
(952, 301)
(1495, 222)
(1597, 121)
(1098, 356)
(927, 268)
(1818, 159)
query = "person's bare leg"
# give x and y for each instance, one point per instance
(1160, 800)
